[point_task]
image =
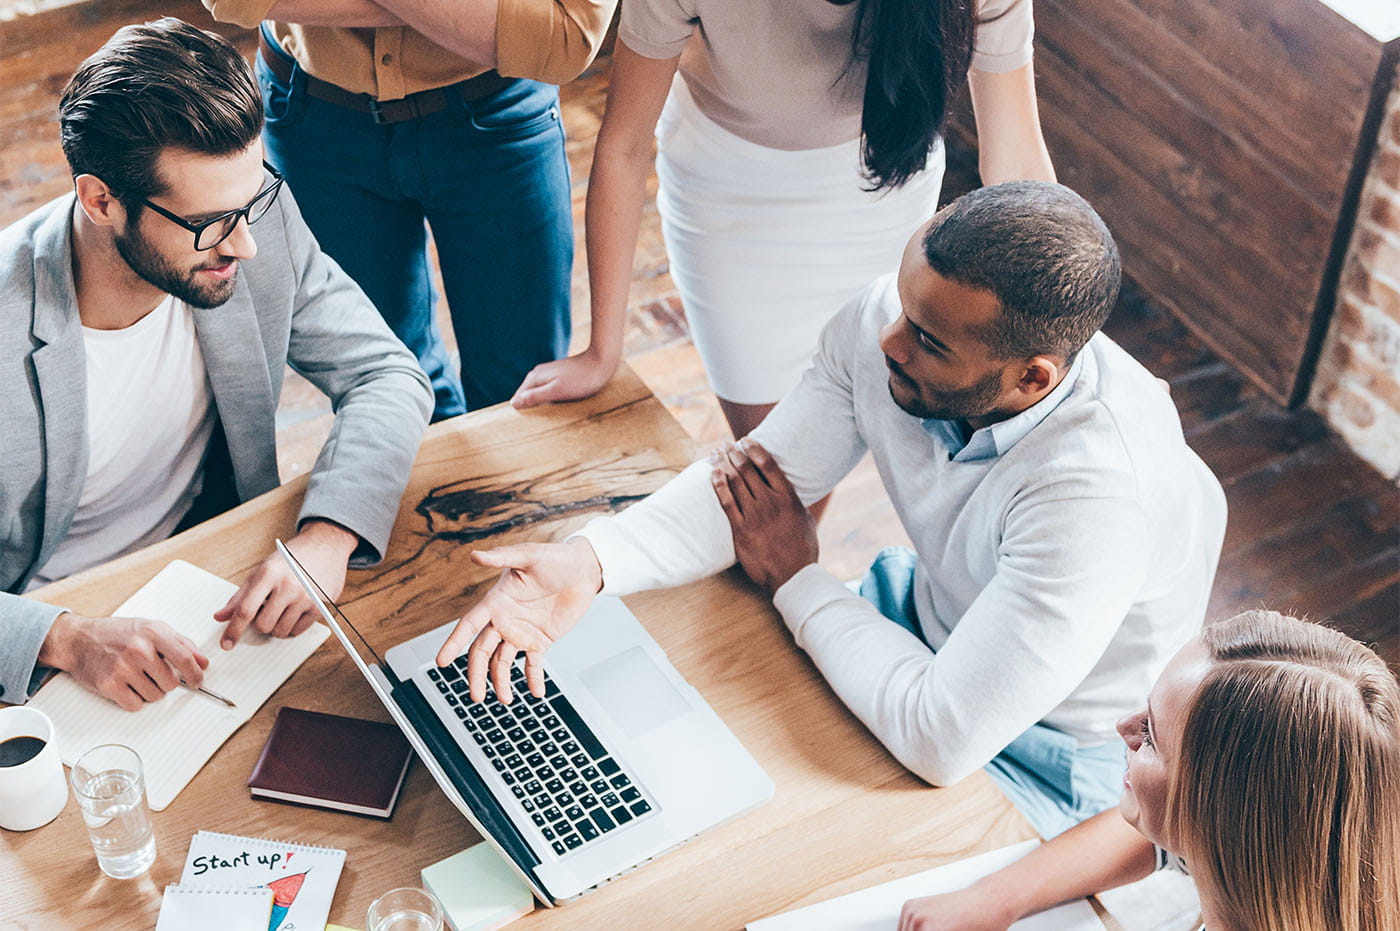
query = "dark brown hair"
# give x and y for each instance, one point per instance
(1046, 255)
(163, 84)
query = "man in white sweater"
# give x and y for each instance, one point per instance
(1065, 536)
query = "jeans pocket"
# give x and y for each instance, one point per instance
(283, 104)
(512, 117)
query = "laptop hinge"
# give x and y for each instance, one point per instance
(495, 823)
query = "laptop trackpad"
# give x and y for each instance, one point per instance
(635, 694)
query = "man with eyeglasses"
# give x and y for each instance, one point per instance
(148, 320)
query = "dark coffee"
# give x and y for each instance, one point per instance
(17, 750)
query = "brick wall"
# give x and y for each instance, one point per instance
(1357, 386)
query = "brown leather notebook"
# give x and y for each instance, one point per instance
(330, 761)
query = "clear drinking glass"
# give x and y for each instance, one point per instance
(108, 785)
(406, 909)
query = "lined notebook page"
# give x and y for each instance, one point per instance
(178, 734)
(184, 908)
(877, 908)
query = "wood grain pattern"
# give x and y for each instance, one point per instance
(1287, 558)
(1218, 142)
(845, 815)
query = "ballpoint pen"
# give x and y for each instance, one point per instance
(203, 691)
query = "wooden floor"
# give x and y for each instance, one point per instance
(1313, 530)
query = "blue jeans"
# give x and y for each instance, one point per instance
(490, 177)
(1052, 780)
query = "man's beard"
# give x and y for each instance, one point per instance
(976, 400)
(154, 269)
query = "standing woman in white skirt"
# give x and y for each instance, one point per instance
(798, 150)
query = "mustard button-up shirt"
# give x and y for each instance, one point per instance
(545, 40)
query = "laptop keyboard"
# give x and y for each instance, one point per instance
(563, 778)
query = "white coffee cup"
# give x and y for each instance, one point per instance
(32, 793)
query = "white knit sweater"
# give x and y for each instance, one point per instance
(1055, 578)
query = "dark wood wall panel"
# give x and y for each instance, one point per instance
(1217, 139)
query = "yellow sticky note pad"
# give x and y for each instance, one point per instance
(478, 891)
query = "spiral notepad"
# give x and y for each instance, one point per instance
(302, 878)
(214, 908)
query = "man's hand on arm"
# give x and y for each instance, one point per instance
(775, 536)
(128, 660)
(543, 589)
(271, 600)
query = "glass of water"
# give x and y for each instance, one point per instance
(406, 909)
(109, 788)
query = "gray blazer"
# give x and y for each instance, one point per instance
(292, 305)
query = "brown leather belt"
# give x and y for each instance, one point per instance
(384, 112)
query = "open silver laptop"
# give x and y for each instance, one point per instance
(620, 761)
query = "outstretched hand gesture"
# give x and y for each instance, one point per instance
(543, 589)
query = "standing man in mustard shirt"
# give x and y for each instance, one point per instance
(377, 127)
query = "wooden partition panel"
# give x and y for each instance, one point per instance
(1219, 140)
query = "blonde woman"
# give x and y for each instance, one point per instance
(799, 145)
(1266, 765)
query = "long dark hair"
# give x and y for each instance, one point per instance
(917, 54)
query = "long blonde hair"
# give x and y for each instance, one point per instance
(1286, 801)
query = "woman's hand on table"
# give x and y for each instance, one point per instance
(969, 909)
(569, 379)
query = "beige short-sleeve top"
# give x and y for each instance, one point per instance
(779, 72)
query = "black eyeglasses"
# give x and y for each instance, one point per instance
(211, 232)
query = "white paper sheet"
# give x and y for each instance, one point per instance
(877, 908)
(177, 735)
(184, 908)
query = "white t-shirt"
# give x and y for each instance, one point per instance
(150, 414)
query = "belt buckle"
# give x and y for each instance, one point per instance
(376, 113)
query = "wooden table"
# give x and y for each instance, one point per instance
(845, 814)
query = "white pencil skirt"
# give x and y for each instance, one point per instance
(766, 245)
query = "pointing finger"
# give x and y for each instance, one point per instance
(478, 661)
(468, 626)
(501, 662)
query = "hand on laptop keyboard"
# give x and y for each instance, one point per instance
(543, 589)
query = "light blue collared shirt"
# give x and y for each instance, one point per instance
(994, 440)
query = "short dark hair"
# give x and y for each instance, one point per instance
(1043, 252)
(163, 84)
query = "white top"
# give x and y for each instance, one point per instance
(150, 415)
(1057, 574)
(778, 73)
